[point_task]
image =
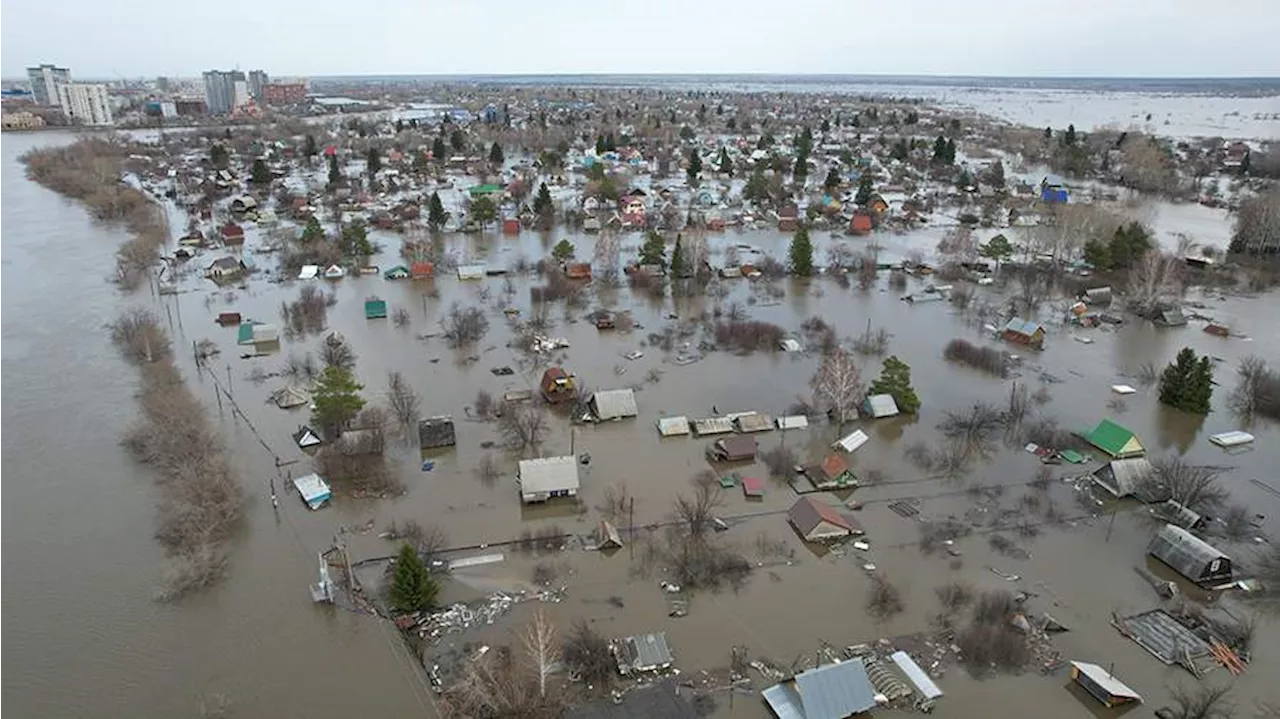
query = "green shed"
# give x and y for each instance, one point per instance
(375, 309)
(1115, 440)
(399, 272)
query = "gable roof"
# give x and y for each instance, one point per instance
(831, 691)
(882, 405)
(1105, 681)
(807, 513)
(548, 474)
(1184, 552)
(1023, 327)
(614, 403)
(833, 465)
(1123, 477)
(1116, 440)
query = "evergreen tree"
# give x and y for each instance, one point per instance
(913, 117)
(1069, 139)
(563, 251)
(654, 250)
(832, 182)
(695, 165)
(951, 151)
(373, 161)
(679, 266)
(436, 216)
(801, 253)
(900, 150)
(218, 156)
(599, 144)
(260, 175)
(1128, 244)
(610, 144)
(336, 399)
(438, 151)
(895, 380)
(687, 133)
(309, 147)
(757, 188)
(826, 125)
(865, 190)
(542, 205)
(458, 139)
(335, 176)
(801, 169)
(998, 248)
(726, 165)
(412, 588)
(1098, 254)
(805, 144)
(1048, 134)
(995, 175)
(313, 231)
(399, 126)
(495, 154)
(731, 125)
(940, 151)
(1187, 383)
(483, 210)
(355, 240)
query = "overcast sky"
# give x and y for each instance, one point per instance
(133, 38)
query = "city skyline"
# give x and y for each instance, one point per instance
(986, 38)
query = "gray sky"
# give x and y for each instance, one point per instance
(131, 38)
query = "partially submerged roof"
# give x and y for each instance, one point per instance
(851, 441)
(1104, 681)
(1115, 439)
(753, 422)
(314, 490)
(548, 474)
(673, 426)
(1020, 326)
(1189, 555)
(1167, 639)
(793, 421)
(881, 405)
(436, 432)
(614, 404)
(831, 691)
(1125, 477)
(712, 425)
(644, 653)
(657, 700)
(808, 513)
(306, 437)
(1231, 439)
(917, 676)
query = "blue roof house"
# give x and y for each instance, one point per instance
(831, 691)
(1053, 190)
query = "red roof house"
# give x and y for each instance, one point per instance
(232, 234)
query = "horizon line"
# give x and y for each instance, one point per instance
(747, 73)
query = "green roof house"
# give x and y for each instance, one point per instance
(479, 190)
(399, 272)
(1115, 440)
(375, 309)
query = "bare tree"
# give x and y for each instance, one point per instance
(402, 399)
(464, 325)
(883, 598)
(487, 470)
(139, 336)
(1201, 701)
(1257, 390)
(1033, 287)
(838, 385)
(336, 352)
(1258, 223)
(697, 512)
(523, 425)
(588, 655)
(1146, 166)
(1155, 278)
(1193, 486)
(954, 596)
(605, 257)
(542, 646)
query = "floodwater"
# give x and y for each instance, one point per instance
(81, 563)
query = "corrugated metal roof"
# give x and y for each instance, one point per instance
(1123, 477)
(673, 426)
(753, 422)
(835, 691)
(713, 425)
(1159, 633)
(614, 403)
(916, 675)
(1023, 327)
(1189, 555)
(647, 652)
(882, 405)
(548, 474)
(852, 441)
(794, 421)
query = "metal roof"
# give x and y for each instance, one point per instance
(1159, 633)
(1023, 327)
(1105, 680)
(916, 675)
(753, 422)
(548, 474)
(793, 421)
(882, 405)
(1186, 553)
(672, 426)
(1123, 477)
(853, 441)
(646, 652)
(831, 691)
(713, 425)
(808, 513)
(614, 403)
(436, 432)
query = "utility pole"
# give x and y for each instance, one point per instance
(1111, 524)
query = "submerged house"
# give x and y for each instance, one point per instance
(435, 432)
(1023, 332)
(614, 404)
(1190, 556)
(831, 691)
(224, 268)
(1115, 440)
(733, 449)
(879, 406)
(306, 437)
(557, 386)
(817, 521)
(314, 490)
(831, 473)
(252, 333)
(643, 653)
(375, 309)
(547, 478)
(1102, 685)
(1130, 477)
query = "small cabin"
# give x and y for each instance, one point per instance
(557, 385)
(1190, 556)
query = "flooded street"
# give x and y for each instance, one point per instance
(82, 566)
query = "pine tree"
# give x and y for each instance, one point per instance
(563, 251)
(309, 147)
(436, 216)
(495, 154)
(900, 150)
(260, 175)
(1187, 383)
(458, 139)
(757, 188)
(438, 150)
(1048, 134)
(895, 380)
(695, 165)
(218, 156)
(373, 161)
(610, 144)
(940, 150)
(801, 169)
(412, 588)
(832, 182)
(399, 126)
(951, 151)
(654, 250)
(801, 253)
(805, 144)
(542, 205)
(313, 231)
(483, 210)
(826, 125)
(679, 267)
(726, 165)
(865, 190)
(1069, 139)
(337, 399)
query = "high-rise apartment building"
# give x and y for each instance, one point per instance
(257, 79)
(220, 90)
(85, 103)
(44, 82)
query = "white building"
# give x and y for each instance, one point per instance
(45, 80)
(240, 95)
(85, 103)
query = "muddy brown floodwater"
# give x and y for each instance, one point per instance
(81, 565)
